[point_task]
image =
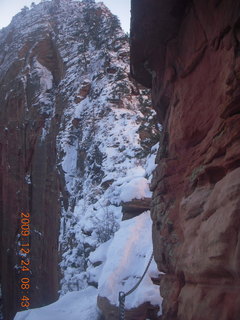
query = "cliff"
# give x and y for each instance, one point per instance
(188, 53)
(75, 131)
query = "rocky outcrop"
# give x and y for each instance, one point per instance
(189, 55)
(135, 207)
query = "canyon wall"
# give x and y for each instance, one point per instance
(29, 177)
(188, 52)
(75, 130)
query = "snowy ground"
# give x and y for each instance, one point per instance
(124, 259)
(77, 305)
(127, 257)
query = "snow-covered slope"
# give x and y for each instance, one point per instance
(103, 157)
(73, 306)
(125, 258)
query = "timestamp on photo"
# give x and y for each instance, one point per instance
(25, 263)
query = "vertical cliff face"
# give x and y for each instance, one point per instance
(30, 72)
(189, 54)
(75, 129)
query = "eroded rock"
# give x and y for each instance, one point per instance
(135, 207)
(196, 225)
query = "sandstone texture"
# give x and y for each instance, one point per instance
(188, 52)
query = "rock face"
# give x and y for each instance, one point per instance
(135, 207)
(143, 312)
(189, 55)
(30, 69)
(68, 109)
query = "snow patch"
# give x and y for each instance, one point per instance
(45, 76)
(72, 306)
(127, 258)
(137, 188)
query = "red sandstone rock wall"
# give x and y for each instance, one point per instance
(28, 183)
(192, 55)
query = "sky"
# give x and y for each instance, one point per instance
(8, 8)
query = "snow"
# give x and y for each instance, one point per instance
(45, 76)
(150, 164)
(137, 188)
(104, 148)
(100, 254)
(28, 179)
(127, 257)
(72, 306)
